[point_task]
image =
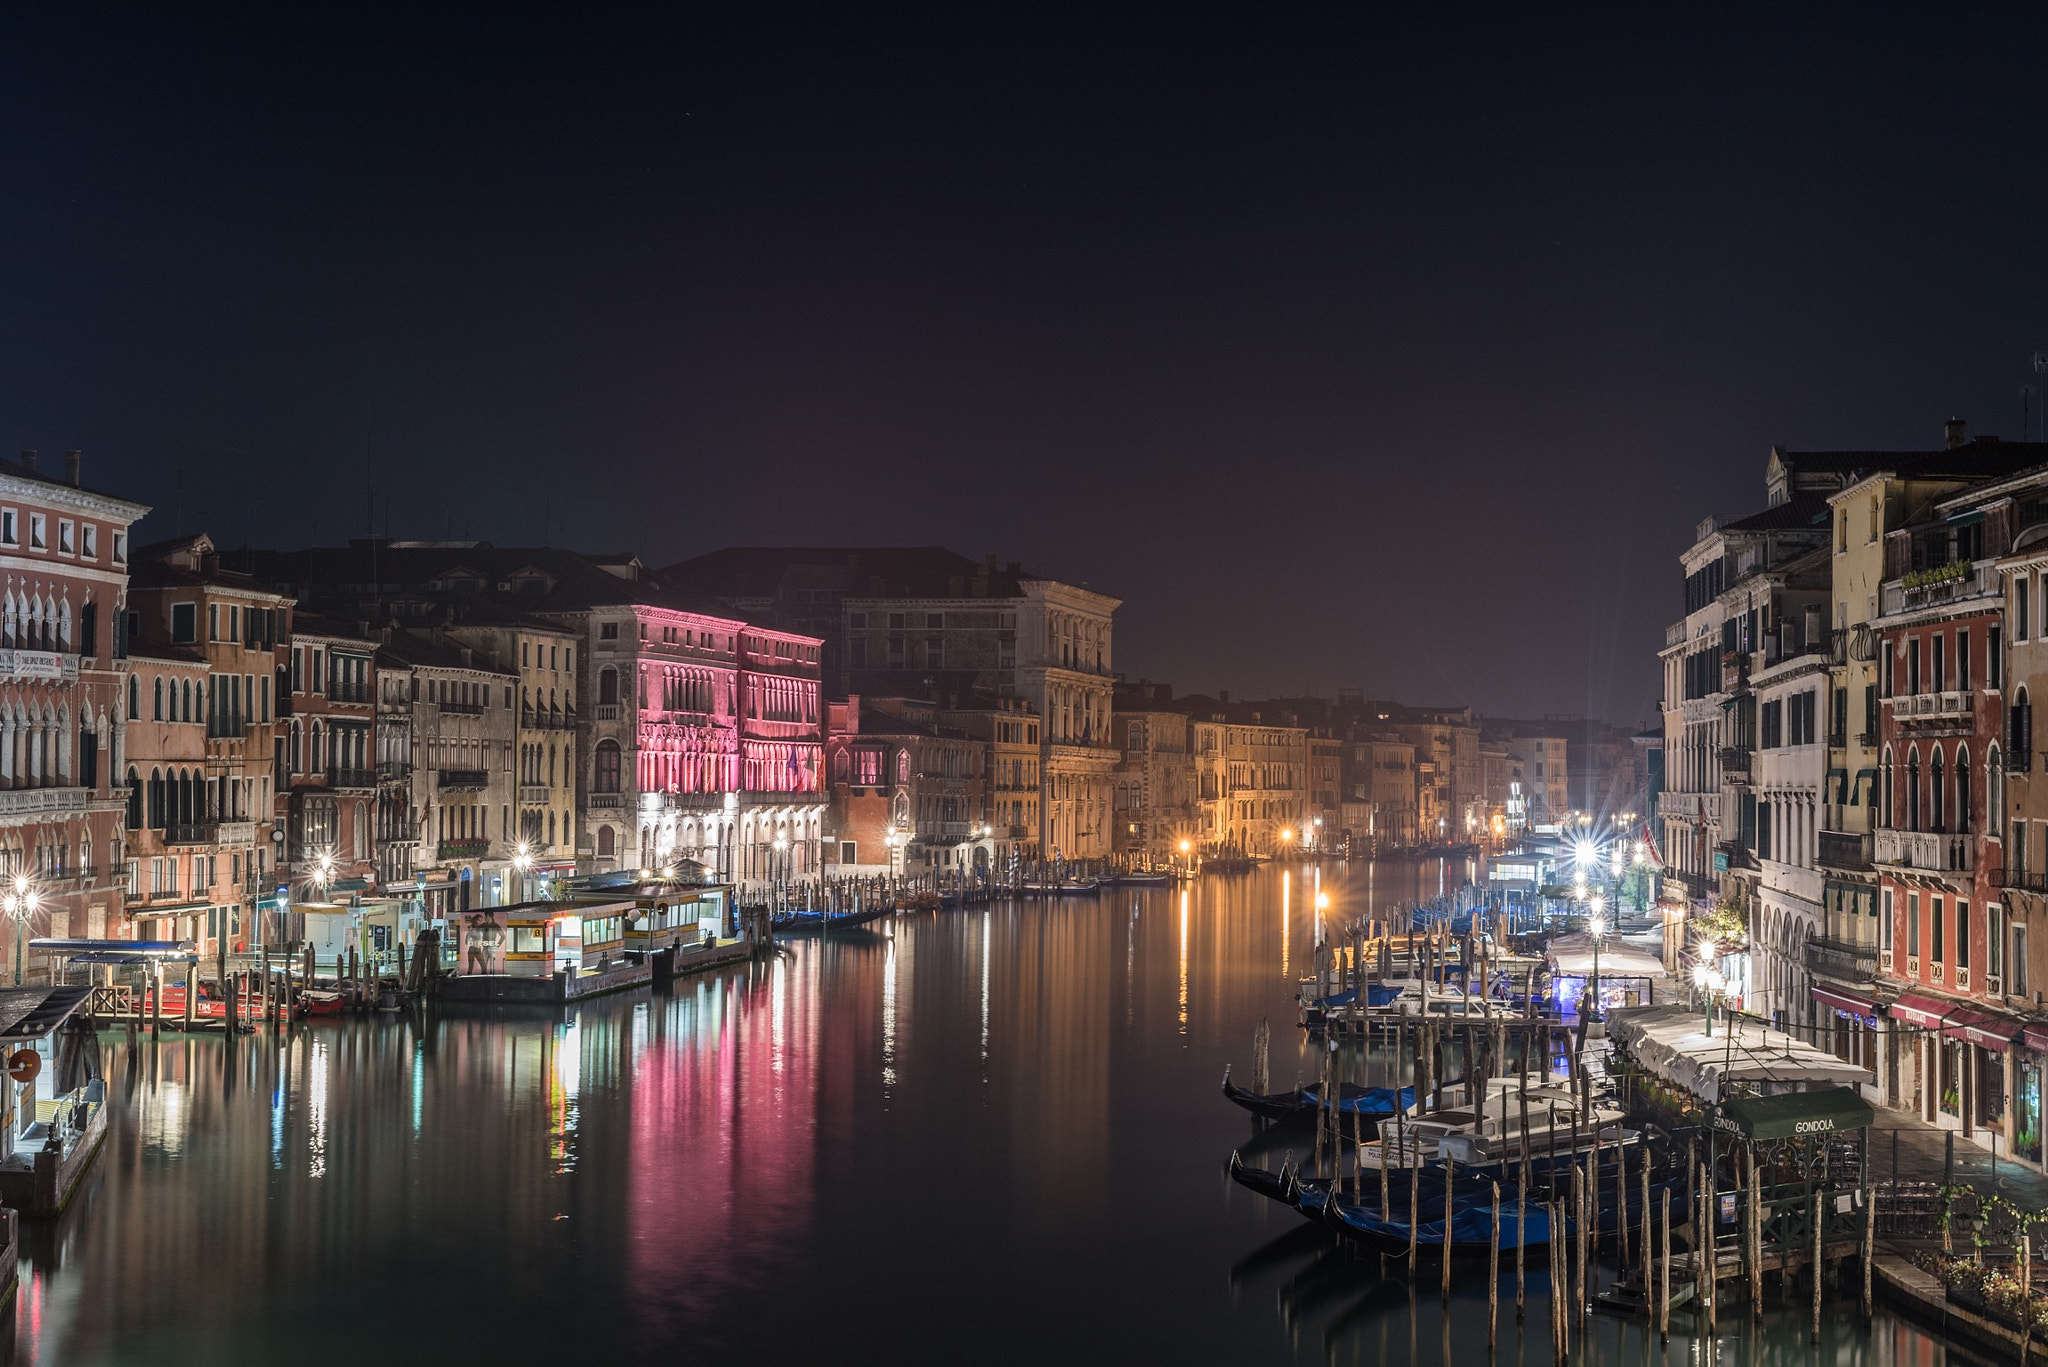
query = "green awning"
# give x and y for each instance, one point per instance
(1795, 1114)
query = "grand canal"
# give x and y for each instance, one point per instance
(981, 1136)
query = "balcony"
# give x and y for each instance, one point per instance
(1734, 672)
(534, 794)
(393, 770)
(460, 709)
(463, 849)
(22, 801)
(1867, 739)
(1932, 851)
(1674, 634)
(2019, 760)
(351, 778)
(1842, 961)
(2025, 880)
(607, 801)
(462, 778)
(191, 832)
(1933, 587)
(350, 694)
(605, 711)
(1846, 850)
(547, 720)
(1933, 707)
(1735, 761)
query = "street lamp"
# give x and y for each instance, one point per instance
(777, 873)
(1598, 926)
(1707, 977)
(522, 860)
(20, 903)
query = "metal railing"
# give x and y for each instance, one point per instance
(462, 778)
(1841, 960)
(191, 832)
(461, 709)
(1843, 849)
(351, 778)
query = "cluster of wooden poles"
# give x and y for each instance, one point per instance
(1572, 1203)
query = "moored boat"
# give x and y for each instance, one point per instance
(1353, 1103)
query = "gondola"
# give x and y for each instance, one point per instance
(1354, 1103)
(818, 920)
(1154, 879)
(1471, 1222)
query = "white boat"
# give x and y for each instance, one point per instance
(1492, 1135)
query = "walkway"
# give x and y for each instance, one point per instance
(1921, 1149)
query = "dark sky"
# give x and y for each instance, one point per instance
(1350, 353)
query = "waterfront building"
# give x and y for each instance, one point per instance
(1785, 779)
(1544, 773)
(1747, 583)
(1380, 812)
(1007, 729)
(168, 836)
(461, 717)
(544, 745)
(1156, 803)
(184, 606)
(64, 554)
(909, 792)
(325, 782)
(923, 621)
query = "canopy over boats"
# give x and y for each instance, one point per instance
(1671, 1043)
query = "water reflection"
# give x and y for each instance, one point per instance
(992, 1133)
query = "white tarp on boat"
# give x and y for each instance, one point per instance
(1671, 1042)
(1573, 957)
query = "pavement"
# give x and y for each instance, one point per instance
(1921, 1148)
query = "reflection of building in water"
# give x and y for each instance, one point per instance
(1051, 1047)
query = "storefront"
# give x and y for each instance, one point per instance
(1849, 1024)
(1962, 1056)
(2026, 1094)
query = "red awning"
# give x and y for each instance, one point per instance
(2035, 1037)
(1842, 1000)
(1957, 1021)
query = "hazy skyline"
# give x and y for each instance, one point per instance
(1400, 356)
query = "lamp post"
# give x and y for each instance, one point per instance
(779, 874)
(1187, 863)
(20, 903)
(522, 861)
(1598, 927)
(1708, 979)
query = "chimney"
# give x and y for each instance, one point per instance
(1955, 432)
(28, 461)
(72, 460)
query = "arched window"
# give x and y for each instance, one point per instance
(2019, 731)
(607, 776)
(1994, 791)
(608, 686)
(157, 708)
(1963, 788)
(1889, 812)
(1937, 794)
(156, 799)
(134, 698)
(134, 799)
(1913, 789)
(604, 840)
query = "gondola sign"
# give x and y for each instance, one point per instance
(23, 1065)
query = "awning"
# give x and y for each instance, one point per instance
(1843, 1000)
(1794, 1115)
(2035, 1037)
(1957, 1021)
(172, 909)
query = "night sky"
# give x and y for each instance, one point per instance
(1349, 353)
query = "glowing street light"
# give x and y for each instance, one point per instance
(20, 904)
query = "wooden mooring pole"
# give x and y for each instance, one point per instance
(1664, 1276)
(1492, 1274)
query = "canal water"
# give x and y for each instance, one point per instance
(989, 1136)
